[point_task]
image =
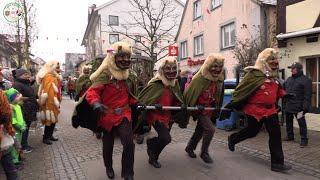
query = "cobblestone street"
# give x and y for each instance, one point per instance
(78, 152)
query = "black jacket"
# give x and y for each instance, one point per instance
(301, 86)
(30, 106)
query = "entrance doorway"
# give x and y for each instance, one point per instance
(313, 72)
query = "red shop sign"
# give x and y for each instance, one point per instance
(173, 50)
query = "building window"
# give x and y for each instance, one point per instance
(137, 39)
(198, 45)
(228, 35)
(215, 3)
(113, 38)
(197, 10)
(183, 50)
(113, 20)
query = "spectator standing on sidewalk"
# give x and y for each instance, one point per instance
(297, 105)
(30, 106)
(6, 79)
(71, 88)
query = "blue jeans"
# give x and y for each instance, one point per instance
(8, 166)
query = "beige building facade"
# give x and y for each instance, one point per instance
(298, 40)
(214, 26)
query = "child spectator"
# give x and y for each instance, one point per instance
(15, 99)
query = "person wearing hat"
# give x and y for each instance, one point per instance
(15, 99)
(22, 83)
(296, 106)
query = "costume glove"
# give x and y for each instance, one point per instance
(99, 108)
(158, 106)
(184, 107)
(200, 108)
(140, 106)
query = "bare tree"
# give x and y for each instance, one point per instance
(246, 50)
(25, 29)
(155, 24)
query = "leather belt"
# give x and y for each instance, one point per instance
(118, 111)
(262, 105)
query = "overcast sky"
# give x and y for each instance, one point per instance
(61, 26)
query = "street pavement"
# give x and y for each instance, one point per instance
(78, 155)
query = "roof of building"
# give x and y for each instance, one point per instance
(111, 2)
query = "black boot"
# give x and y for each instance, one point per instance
(153, 159)
(53, 139)
(280, 167)
(190, 152)
(110, 173)
(47, 141)
(206, 157)
(128, 178)
(303, 143)
(231, 145)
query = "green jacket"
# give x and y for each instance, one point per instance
(153, 91)
(83, 81)
(17, 118)
(250, 83)
(196, 87)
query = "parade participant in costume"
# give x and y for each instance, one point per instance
(15, 99)
(49, 98)
(110, 96)
(205, 90)
(83, 83)
(256, 96)
(6, 138)
(162, 90)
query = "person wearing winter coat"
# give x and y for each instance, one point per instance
(299, 104)
(22, 84)
(15, 99)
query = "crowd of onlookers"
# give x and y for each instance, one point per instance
(18, 93)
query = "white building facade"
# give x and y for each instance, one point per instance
(106, 20)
